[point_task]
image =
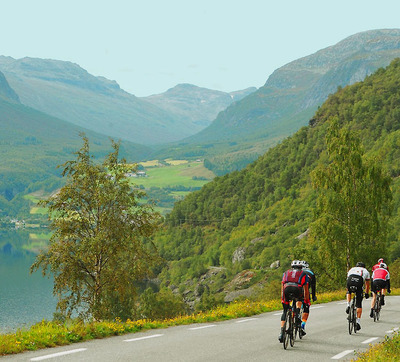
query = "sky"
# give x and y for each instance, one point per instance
(149, 46)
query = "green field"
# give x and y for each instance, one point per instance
(177, 173)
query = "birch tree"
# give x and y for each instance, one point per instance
(97, 252)
(353, 204)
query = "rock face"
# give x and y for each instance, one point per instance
(238, 255)
(6, 91)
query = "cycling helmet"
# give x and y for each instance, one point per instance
(383, 265)
(305, 264)
(297, 264)
(380, 260)
(360, 264)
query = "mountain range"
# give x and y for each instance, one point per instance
(289, 98)
(66, 91)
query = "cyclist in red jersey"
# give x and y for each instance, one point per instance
(376, 266)
(294, 286)
(380, 280)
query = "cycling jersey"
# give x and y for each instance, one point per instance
(381, 274)
(293, 281)
(358, 270)
(313, 281)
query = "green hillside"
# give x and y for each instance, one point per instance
(248, 219)
(33, 143)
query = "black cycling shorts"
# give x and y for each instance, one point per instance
(292, 292)
(355, 284)
(378, 284)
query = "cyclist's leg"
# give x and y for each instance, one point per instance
(359, 298)
(374, 292)
(285, 306)
(348, 295)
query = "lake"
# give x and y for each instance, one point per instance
(24, 298)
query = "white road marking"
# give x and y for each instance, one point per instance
(370, 340)
(278, 313)
(53, 355)
(317, 307)
(209, 326)
(342, 354)
(141, 338)
(246, 320)
(393, 330)
(342, 303)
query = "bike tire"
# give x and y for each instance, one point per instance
(350, 319)
(292, 329)
(354, 317)
(286, 332)
(379, 306)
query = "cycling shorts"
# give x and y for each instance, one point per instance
(356, 283)
(378, 284)
(292, 291)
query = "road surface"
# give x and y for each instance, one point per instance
(246, 339)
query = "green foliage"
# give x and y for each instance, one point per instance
(267, 206)
(96, 251)
(160, 305)
(353, 205)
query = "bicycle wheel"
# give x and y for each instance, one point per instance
(292, 328)
(378, 306)
(354, 315)
(350, 319)
(286, 329)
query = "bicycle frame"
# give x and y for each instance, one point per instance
(352, 318)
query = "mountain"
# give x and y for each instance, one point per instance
(243, 222)
(33, 143)
(66, 91)
(198, 105)
(6, 92)
(288, 99)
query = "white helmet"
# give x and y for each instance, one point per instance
(298, 264)
(383, 265)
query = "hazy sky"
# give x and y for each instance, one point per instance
(149, 46)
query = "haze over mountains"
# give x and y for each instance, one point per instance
(66, 91)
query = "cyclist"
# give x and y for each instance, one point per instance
(376, 266)
(380, 280)
(294, 287)
(311, 285)
(357, 276)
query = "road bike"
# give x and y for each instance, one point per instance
(291, 326)
(352, 317)
(377, 306)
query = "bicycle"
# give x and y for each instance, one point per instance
(291, 326)
(377, 306)
(352, 318)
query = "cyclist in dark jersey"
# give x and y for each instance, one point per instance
(312, 288)
(294, 287)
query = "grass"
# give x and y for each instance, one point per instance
(175, 175)
(50, 334)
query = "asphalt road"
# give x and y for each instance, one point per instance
(247, 339)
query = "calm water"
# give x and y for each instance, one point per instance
(24, 298)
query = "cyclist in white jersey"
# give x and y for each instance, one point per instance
(358, 276)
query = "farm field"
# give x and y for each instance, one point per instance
(172, 173)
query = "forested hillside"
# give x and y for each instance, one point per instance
(33, 144)
(248, 219)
